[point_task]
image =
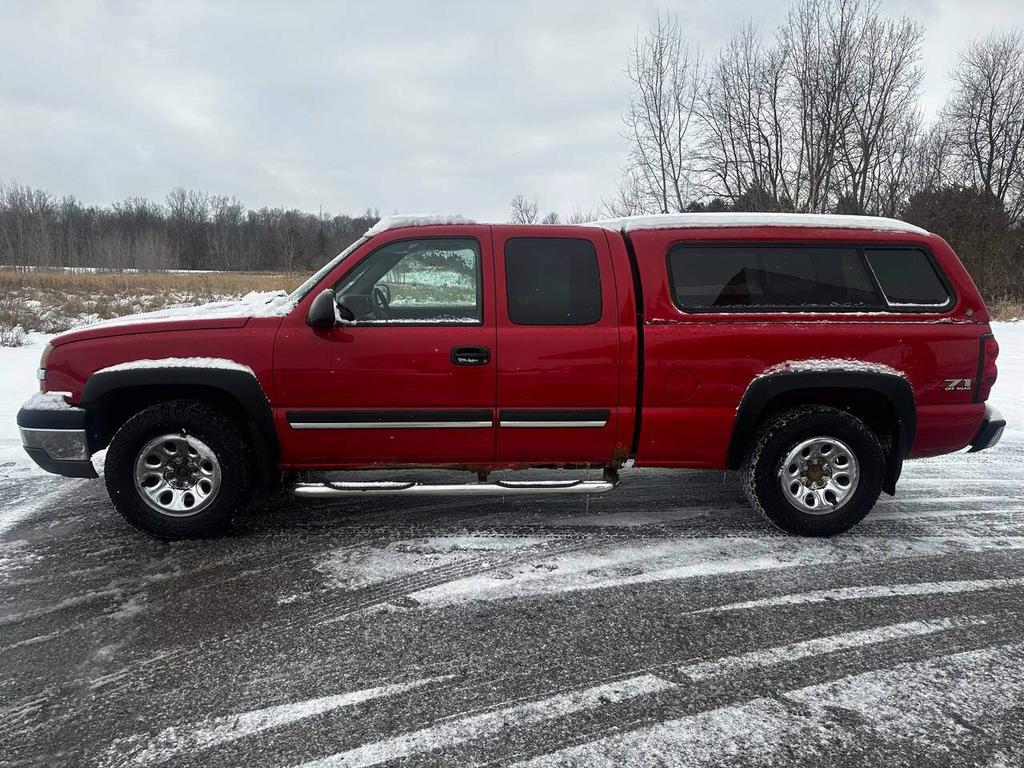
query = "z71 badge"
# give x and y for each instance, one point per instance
(958, 385)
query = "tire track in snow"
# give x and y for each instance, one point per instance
(926, 706)
(784, 654)
(490, 724)
(868, 593)
(177, 740)
(676, 559)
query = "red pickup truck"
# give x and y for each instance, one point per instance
(811, 353)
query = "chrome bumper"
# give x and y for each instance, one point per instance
(57, 441)
(59, 444)
(990, 431)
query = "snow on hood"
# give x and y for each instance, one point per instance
(416, 220)
(252, 304)
(726, 219)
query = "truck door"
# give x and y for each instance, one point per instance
(412, 380)
(558, 346)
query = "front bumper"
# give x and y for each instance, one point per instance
(57, 441)
(990, 431)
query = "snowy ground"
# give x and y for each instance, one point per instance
(663, 624)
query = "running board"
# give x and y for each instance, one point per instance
(331, 490)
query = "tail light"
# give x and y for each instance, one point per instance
(987, 371)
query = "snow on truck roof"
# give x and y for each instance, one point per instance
(684, 221)
(701, 220)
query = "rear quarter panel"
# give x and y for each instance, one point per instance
(698, 365)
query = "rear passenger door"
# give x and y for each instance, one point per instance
(558, 345)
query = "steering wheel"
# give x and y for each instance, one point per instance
(387, 291)
(381, 303)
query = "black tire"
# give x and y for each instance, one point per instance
(204, 422)
(759, 473)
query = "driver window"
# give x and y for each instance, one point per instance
(434, 280)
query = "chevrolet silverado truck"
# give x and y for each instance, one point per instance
(813, 354)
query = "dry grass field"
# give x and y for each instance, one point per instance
(50, 301)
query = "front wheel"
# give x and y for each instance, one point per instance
(814, 470)
(178, 470)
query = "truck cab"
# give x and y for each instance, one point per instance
(812, 354)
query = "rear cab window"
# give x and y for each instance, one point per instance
(803, 277)
(552, 281)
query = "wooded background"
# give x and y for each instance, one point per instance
(821, 115)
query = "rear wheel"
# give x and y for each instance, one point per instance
(814, 470)
(178, 470)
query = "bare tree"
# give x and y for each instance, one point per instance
(666, 80)
(930, 162)
(985, 116)
(881, 95)
(524, 211)
(580, 215)
(821, 42)
(628, 199)
(746, 120)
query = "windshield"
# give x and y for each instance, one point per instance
(320, 274)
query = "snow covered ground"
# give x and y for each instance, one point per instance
(663, 624)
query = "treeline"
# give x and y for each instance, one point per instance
(824, 115)
(189, 230)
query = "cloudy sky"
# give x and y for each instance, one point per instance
(403, 106)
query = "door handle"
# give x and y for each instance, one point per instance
(471, 356)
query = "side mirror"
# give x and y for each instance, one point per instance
(321, 311)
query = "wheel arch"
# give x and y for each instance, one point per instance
(883, 401)
(113, 397)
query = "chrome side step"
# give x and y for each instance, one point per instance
(331, 490)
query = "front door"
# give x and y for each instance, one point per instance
(412, 379)
(558, 346)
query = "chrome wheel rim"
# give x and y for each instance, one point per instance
(177, 475)
(820, 475)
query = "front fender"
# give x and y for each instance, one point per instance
(172, 381)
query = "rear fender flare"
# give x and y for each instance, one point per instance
(763, 390)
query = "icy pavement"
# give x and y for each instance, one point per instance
(660, 625)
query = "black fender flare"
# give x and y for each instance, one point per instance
(235, 383)
(763, 390)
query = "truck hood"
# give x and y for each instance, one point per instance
(233, 313)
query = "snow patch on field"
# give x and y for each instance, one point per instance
(19, 381)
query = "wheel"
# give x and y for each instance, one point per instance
(814, 470)
(179, 470)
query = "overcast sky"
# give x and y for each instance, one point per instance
(403, 106)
